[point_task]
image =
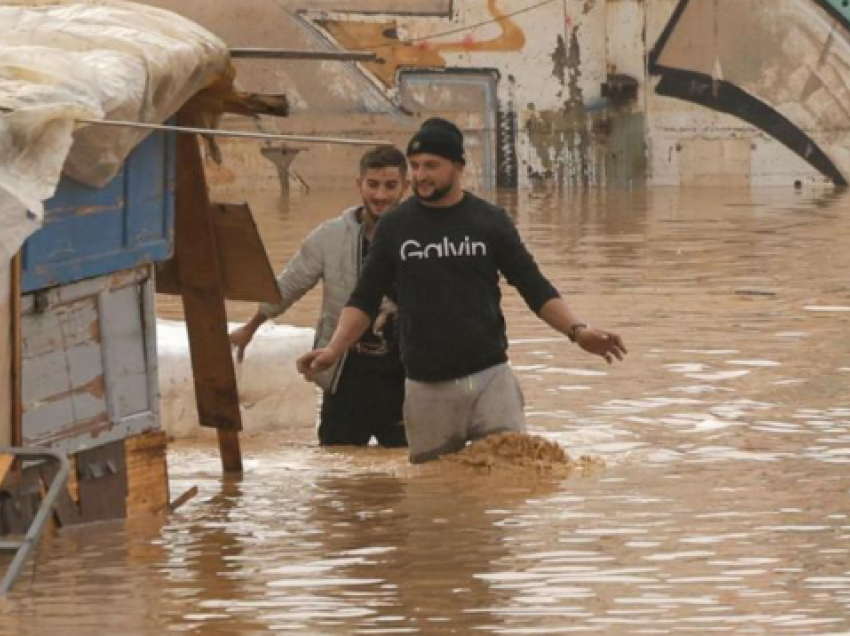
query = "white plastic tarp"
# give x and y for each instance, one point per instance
(102, 59)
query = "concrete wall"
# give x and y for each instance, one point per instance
(560, 92)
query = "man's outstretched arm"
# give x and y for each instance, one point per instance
(557, 314)
(301, 274)
(353, 323)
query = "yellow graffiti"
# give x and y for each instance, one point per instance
(381, 38)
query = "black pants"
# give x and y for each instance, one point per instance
(368, 402)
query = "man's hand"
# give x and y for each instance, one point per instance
(388, 310)
(315, 361)
(241, 338)
(601, 343)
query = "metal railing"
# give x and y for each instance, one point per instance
(24, 547)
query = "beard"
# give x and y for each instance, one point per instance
(436, 195)
(368, 211)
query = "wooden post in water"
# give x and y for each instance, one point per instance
(196, 260)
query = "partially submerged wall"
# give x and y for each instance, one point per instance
(553, 92)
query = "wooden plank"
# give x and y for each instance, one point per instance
(245, 267)
(102, 482)
(186, 496)
(90, 232)
(66, 512)
(90, 362)
(197, 262)
(6, 462)
(246, 272)
(230, 450)
(147, 474)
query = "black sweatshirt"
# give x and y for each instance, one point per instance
(445, 263)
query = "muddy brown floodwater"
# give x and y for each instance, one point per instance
(717, 501)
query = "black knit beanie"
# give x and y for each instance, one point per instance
(438, 137)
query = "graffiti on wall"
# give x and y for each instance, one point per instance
(411, 60)
(383, 39)
(783, 67)
(521, 77)
(565, 129)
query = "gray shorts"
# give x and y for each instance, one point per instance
(441, 417)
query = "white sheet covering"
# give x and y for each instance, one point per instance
(62, 60)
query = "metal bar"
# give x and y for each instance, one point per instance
(38, 524)
(227, 133)
(235, 133)
(10, 545)
(290, 54)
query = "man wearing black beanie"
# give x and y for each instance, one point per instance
(444, 250)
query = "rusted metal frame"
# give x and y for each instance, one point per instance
(291, 54)
(198, 270)
(23, 548)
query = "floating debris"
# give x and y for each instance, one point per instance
(519, 450)
(754, 292)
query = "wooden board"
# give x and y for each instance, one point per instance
(147, 474)
(246, 271)
(102, 482)
(245, 267)
(89, 367)
(6, 462)
(197, 261)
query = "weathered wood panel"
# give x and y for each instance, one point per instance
(246, 271)
(91, 232)
(6, 462)
(102, 482)
(147, 474)
(89, 362)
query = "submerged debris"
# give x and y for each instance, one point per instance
(519, 450)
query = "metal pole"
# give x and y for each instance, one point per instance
(226, 133)
(40, 521)
(237, 133)
(289, 54)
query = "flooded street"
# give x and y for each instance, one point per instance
(723, 506)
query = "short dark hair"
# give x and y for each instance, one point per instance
(383, 157)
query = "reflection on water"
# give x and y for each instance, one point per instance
(722, 507)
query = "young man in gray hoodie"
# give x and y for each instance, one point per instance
(364, 389)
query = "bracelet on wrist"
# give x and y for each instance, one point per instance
(572, 332)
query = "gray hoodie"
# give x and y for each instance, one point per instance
(330, 253)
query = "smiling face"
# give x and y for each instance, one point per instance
(436, 180)
(381, 190)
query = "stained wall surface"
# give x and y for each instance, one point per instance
(578, 93)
